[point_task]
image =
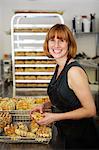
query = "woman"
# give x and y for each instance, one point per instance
(71, 99)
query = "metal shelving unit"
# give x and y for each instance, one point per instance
(32, 69)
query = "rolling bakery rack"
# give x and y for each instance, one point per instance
(32, 69)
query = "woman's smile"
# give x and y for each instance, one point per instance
(57, 51)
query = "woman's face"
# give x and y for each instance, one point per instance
(58, 48)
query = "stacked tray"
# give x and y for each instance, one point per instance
(23, 117)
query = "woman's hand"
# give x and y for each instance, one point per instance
(39, 108)
(47, 119)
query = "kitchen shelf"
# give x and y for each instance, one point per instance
(27, 33)
(33, 26)
(35, 65)
(33, 73)
(82, 33)
(31, 89)
(32, 69)
(30, 50)
(32, 81)
(91, 67)
(86, 34)
(32, 57)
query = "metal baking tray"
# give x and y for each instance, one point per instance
(8, 139)
(23, 116)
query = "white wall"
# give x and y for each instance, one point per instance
(1, 31)
(70, 8)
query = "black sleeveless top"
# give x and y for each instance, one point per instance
(64, 99)
(61, 96)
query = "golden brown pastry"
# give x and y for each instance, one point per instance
(44, 132)
(40, 77)
(5, 118)
(22, 105)
(21, 132)
(19, 69)
(9, 130)
(21, 129)
(19, 77)
(7, 104)
(29, 61)
(30, 77)
(19, 62)
(37, 116)
(21, 84)
(29, 69)
(33, 126)
(31, 135)
(22, 126)
(40, 54)
(19, 53)
(31, 30)
(30, 53)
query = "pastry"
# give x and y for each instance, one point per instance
(30, 77)
(19, 62)
(5, 118)
(21, 129)
(19, 69)
(37, 116)
(19, 53)
(22, 105)
(19, 77)
(33, 126)
(31, 135)
(22, 126)
(7, 104)
(40, 77)
(44, 132)
(9, 130)
(21, 132)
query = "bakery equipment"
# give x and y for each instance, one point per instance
(32, 69)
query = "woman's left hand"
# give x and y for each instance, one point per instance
(48, 118)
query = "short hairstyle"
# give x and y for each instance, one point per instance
(63, 32)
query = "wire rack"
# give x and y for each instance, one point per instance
(7, 139)
(23, 116)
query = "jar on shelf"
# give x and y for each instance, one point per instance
(78, 24)
(85, 24)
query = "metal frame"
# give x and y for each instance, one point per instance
(20, 44)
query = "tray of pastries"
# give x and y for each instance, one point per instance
(21, 103)
(20, 107)
(23, 131)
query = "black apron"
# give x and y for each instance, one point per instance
(78, 133)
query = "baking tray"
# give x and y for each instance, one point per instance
(23, 116)
(8, 139)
